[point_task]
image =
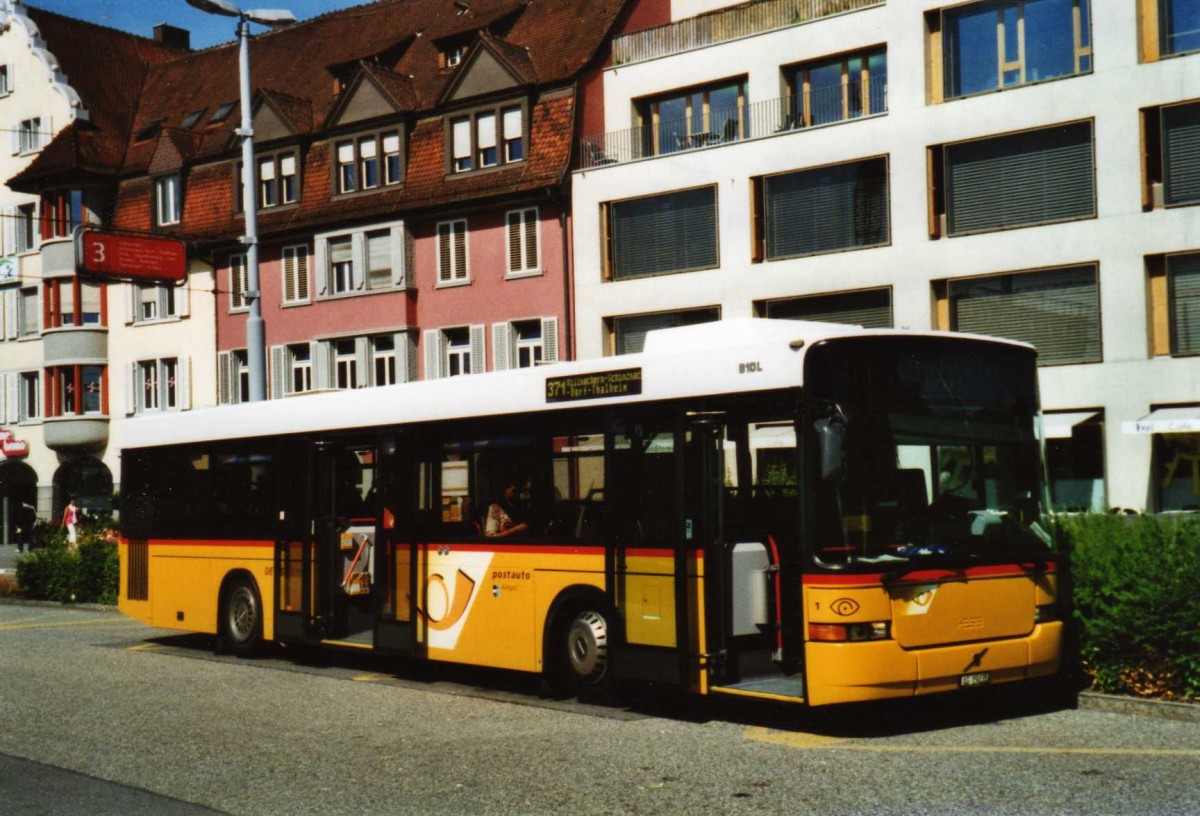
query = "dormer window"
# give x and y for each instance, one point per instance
(192, 118)
(168, 200)
(221, 113)
(487, 138)
(453, 55)
(278, 182)
(369, 162)
(149, 131)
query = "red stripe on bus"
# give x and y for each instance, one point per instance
(177, 542)
(863, 579)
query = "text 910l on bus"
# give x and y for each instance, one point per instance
(796, 511)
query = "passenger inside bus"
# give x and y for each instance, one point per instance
(506, 516)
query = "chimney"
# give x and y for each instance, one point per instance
(173, 37)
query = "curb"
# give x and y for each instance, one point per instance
(1140, 707)
(86, 607)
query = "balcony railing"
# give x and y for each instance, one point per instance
(770, 117)
(725, 25)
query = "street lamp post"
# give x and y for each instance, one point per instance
(256, 350)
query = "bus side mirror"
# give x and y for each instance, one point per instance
(830, 433)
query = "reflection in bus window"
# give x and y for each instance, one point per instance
(578, 485)
(641, 488)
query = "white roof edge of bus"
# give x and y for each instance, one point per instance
(671, 368)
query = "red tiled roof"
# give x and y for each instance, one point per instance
(545, 42)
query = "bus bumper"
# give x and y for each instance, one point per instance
(858, 672)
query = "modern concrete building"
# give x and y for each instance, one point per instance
(1026, 169)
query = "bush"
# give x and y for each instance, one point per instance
(1134, 588)
(53, 572)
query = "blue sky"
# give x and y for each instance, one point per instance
(140, 16)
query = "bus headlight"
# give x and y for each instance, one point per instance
(849, 632)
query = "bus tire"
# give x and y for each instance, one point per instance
(241, 617)
(578, 662)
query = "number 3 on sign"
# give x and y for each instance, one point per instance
(98, 256)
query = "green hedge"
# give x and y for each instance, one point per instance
(52, 572)
(1136, 590)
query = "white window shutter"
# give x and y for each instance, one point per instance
(12, 326)
(321, 262)
(132, 389)
(550, 339)
(501, 344)
(10, 230)
(131, 297)
(279, 378)
(362, 360)
(406, 356)
(183, 297)
(15, 137)
(478, 363)
(302, 273)
(358, 259)
(12, 390)
(224, 378)
(399, 267)
(433, 354)
(183, 382)
(322, 363)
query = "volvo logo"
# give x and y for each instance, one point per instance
(844, 607)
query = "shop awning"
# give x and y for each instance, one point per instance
(1061, 425)
(1179, 419)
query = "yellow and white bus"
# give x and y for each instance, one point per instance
(796, 511)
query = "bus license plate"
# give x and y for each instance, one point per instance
(974, 680)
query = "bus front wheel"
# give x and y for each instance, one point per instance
(579, 664)
(241, 617)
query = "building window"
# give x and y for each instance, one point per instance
(1075, 460)
(168, 200)
(300, 365)
(345, 364)
(453, 352)
(154, 302)
(383, 360)
(1017, 180)
(833, 90)
(1178, 26)
(341, 265)
(694, 117)
(998, 44)
(1171, 158)
(29, 312)
(295, 274)
(6, 80)
(29, 136)
(1055, 310)
(368, 162)
(869, 308)
(31, 396)
(27, 234)
(486, 138)
(233, 377)
(825, 209)
(452, 252)
(524, 343)
(628, 332)
(239, 282)
(366, 261)
(74, 302)
(277, 180)
(379, 259)
(662, 234)
(1183, 296)
(523, 240)
(158, 385)
(452, 55)
(76, 390)
(62, 212)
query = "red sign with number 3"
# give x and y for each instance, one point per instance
(132, 257)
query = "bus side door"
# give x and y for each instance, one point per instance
(295, 542)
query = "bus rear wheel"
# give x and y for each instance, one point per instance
(241, 618)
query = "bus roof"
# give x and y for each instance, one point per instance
(723, 357)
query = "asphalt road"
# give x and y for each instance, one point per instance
(143, 722)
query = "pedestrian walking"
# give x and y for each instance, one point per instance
(71, 522)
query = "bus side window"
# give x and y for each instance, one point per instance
(640, 498)
(578, 494)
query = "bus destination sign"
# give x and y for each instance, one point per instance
(623, 383)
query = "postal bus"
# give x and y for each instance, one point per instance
(796, 511)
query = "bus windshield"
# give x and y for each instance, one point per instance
(924, 451)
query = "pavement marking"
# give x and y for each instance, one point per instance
(370, 678)
(12, 627)
(810, 742)
(146, 647)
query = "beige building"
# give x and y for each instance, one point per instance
(1025, 169)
